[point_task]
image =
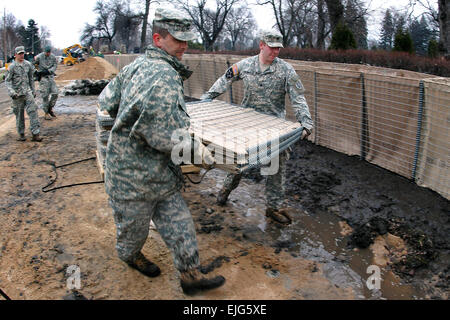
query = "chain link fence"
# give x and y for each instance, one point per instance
(395, 119)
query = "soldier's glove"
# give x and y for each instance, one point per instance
(38, 75)
(202, 152)
(17, 96)
(205, 98)
(305, 133)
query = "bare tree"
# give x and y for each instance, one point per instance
(285, 13)
(306, 21)
(239, 25)
(431, 10)
(321, 24)
(45, 35)
(145, 14)
(126, 22)
(103, 30)
(444, 25)
(335, 12)
(9, 35)
(440, 18)
(356, 19)
(208, 22)
(305, 24)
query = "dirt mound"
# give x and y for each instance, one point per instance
(94, 68)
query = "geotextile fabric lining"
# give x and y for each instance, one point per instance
(393, 105)
(434, 157)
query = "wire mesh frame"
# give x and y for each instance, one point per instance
(262, 153)
(419, 128)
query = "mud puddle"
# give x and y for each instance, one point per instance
(76, 104)
(320, 237)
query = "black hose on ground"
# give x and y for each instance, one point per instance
(201, 178)
(94, 182)
(4, 295)
(69, 185)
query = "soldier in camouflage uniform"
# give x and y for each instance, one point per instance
(46, 67)
(267, 79)
(143, 183)
(20, 84)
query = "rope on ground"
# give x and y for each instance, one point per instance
(69, 185)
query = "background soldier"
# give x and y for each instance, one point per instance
(267, 79)
(143, 184)
(46, 68)
(20, 83)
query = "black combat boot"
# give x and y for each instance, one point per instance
(52, 113)
(21, 138)
(192, 281)
(145, 266)
(279, 215)
(222, 197)
(36, 137)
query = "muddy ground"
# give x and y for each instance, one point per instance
(348, 215)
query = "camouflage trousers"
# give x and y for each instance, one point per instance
(49, 93)
(173, 221)
(22, 104)
(275, 184)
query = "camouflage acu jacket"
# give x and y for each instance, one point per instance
(19, 78)
(46, 63)
(147, 100)
(266, 91)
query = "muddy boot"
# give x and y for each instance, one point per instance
(145, 266)
(36, 137)
(47, 116)
(222, 197)
(279, 215)
(21, 138)
(192, 281)
(52, 113)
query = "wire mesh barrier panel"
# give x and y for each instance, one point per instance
(432, 170)
(240, 138)
(395, 119)
(392, 106)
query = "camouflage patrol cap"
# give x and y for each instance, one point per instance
(177, 23)
(272, 38)
(19, 49)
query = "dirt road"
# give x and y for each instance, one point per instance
(348, 215)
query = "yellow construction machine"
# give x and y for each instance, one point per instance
(74, 54)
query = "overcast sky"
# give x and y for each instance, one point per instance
(66, 19)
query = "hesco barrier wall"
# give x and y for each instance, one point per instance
(396, 119)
